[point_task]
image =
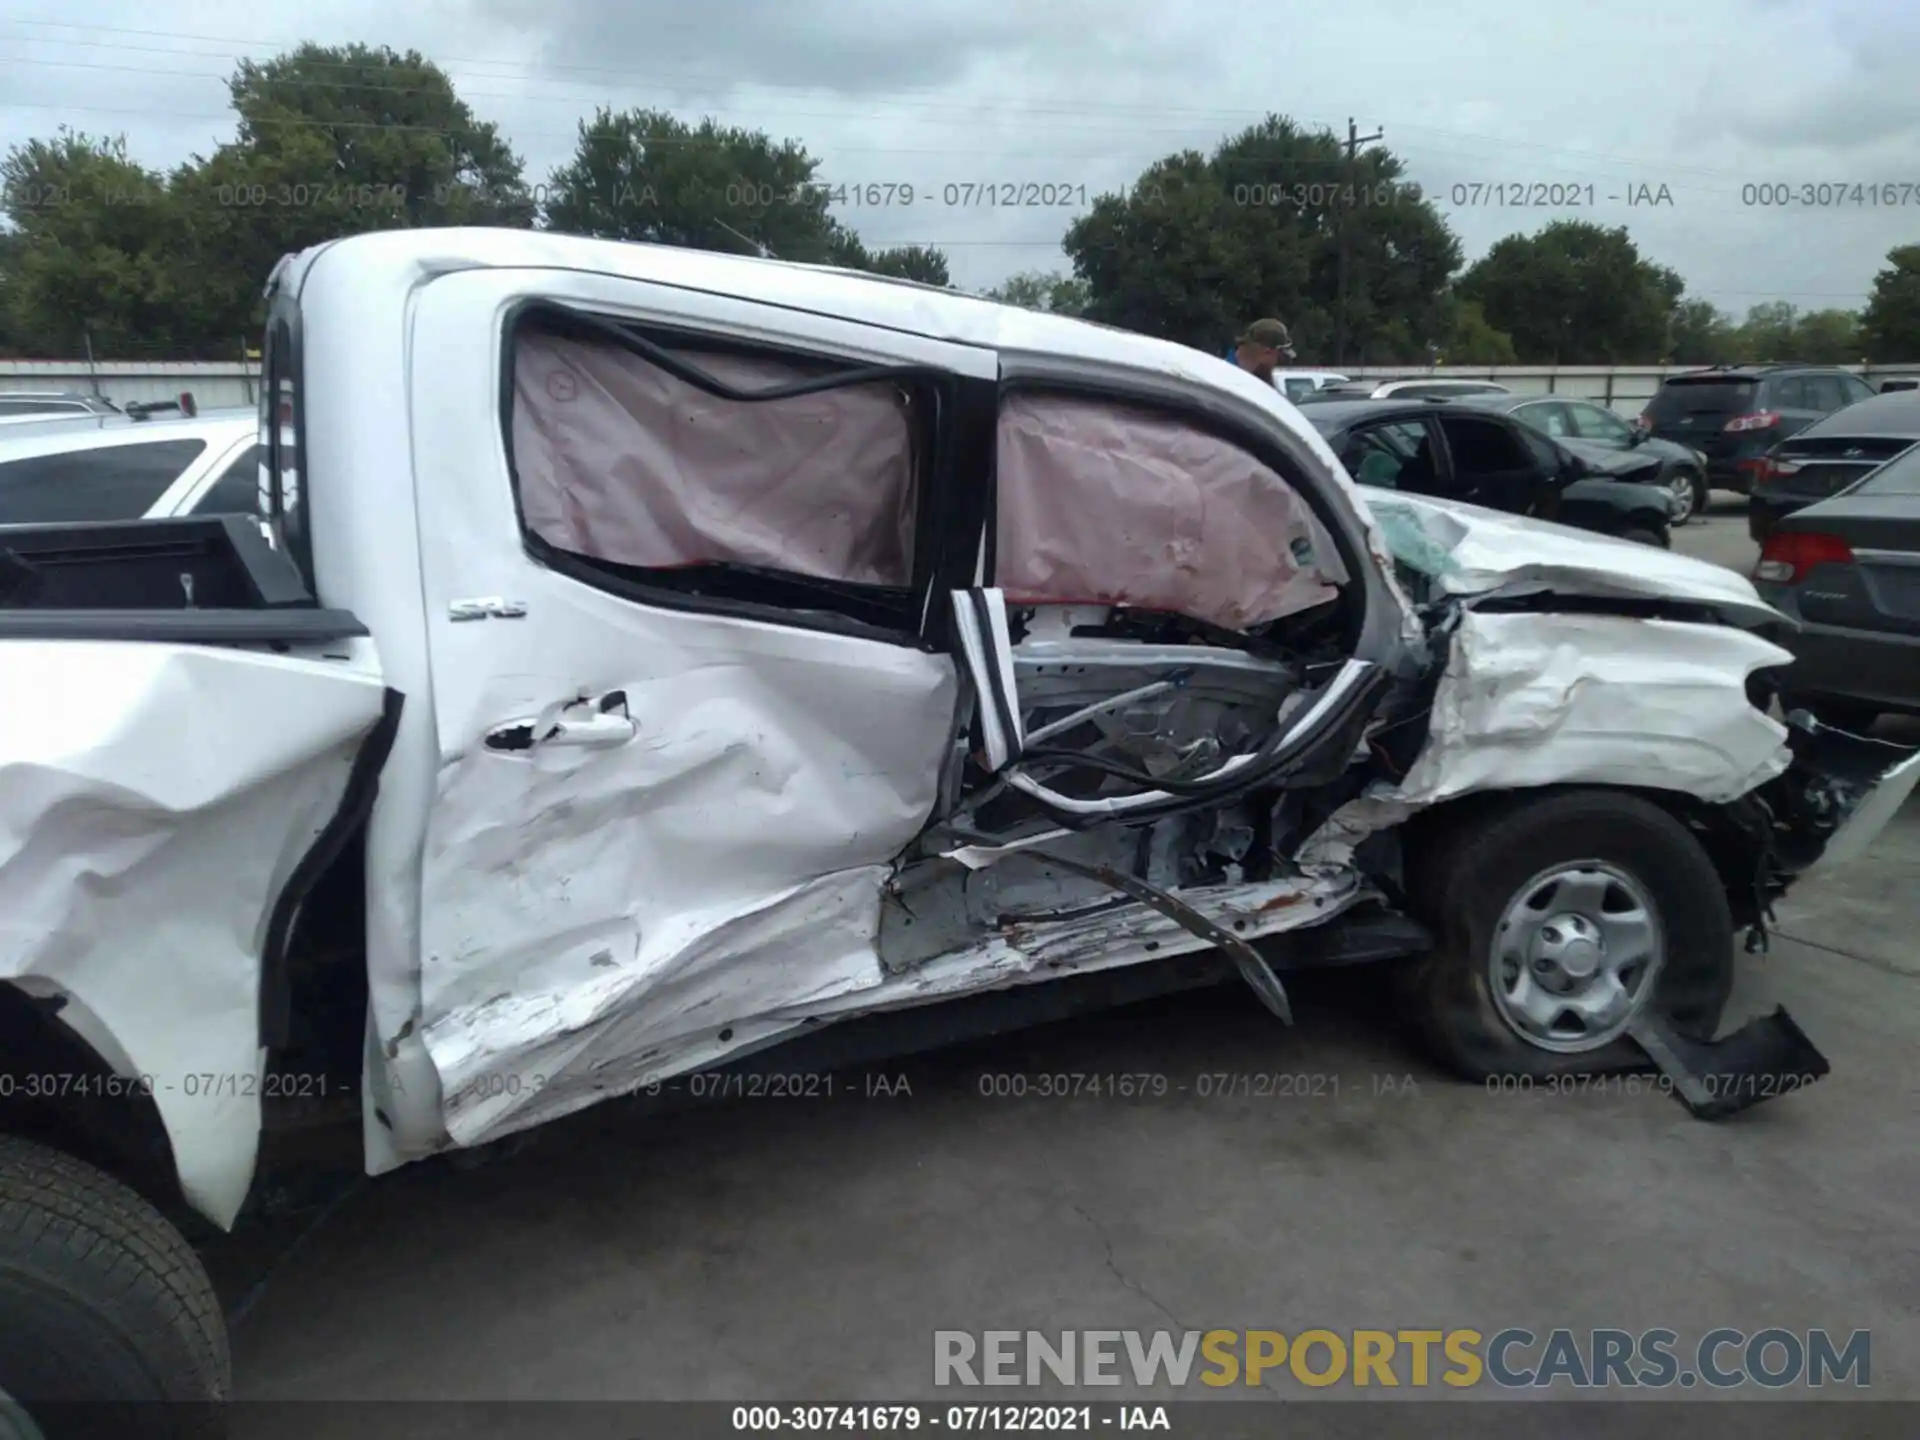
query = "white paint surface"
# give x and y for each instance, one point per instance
(154, 800)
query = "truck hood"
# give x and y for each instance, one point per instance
(1466, 550)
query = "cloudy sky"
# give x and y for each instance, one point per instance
(1701, 98)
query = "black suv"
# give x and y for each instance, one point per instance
(1735, 414)
(1460, 450)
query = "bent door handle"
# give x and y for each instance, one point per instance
(598, 732)
(593, 731)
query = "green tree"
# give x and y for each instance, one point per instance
(1166, 259)
(1470, 340)
(906, 262)
(1576, 293)
(1700, 334)
(1890, 325)
(1201, 244)
(1828, 337)
(1768, 332)
(648, 175)
(912, 262)
(1042, 290)
(336, 140)
(348, 117)
(93, 249)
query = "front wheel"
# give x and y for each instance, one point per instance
(101, 1300)
(1642, 535)
(1689, 491)
(1559, 920)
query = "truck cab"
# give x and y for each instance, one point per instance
(650, 658)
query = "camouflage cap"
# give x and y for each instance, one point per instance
(1270, 333)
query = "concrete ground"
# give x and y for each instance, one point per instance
(809, 1248)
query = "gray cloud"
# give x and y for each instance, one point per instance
(1706, 99)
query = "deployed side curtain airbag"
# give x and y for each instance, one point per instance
(1104, 504)
(620, 461)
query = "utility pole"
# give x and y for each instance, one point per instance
(1354, 141)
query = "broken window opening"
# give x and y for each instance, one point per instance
(1084, 731)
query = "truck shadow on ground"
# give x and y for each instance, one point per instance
(1342, 1046)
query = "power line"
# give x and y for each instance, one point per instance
(997, 105)
(493, 128)
(966, 112)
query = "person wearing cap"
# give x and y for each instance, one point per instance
(1261, 348)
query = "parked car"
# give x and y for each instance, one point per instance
(1464, 450)
(207, 465)
(1296, 385)
(1735, 414)
(1410, 388)
(1625, 451)
(113, 417)
(17, 405)
(660, 661)
(1827, 457)
(1848, 570)
(1898, 382)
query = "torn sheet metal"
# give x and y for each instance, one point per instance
(1248, 961)
(582, 905)
(1558, 699)
(1768, 1056)
(1467, 550)
(726, 1007)
(1551, 699)
(151, 810)
(1871, 814)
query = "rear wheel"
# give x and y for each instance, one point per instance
(101, 1301)
(1559, 920)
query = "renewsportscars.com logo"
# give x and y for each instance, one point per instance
(1510, 1359)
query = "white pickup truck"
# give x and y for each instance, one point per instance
(650, 658)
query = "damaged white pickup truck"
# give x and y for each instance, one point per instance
(650, 657)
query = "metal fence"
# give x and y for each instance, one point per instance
(1624, 388)
(214, 384)
(218, 383)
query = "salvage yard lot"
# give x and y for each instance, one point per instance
(792, 1248)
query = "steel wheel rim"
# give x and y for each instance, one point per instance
(1681, 488)
(1575, 956)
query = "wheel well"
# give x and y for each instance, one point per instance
(56, 1089)
(327, 976)
(61, 1093)
(1733, 835)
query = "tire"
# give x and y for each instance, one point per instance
(1689, 492)
(1468, 868)
(1639, 535)
(101, 1300)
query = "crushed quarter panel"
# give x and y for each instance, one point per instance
(151, 810)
